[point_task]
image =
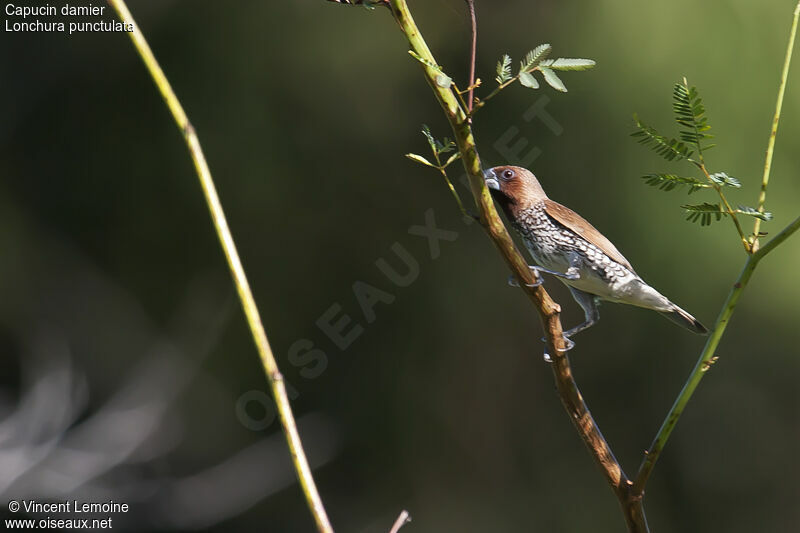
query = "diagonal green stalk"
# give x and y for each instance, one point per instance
(762, 197)
(707, 357)
(443, 170)
(496, 91)
(725, 204)
(274, 377)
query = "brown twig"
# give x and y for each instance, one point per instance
(549, 311)
(472, 53)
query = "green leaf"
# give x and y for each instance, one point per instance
(527, 79)
(421, 160)
(667, 148)
(437, 147)
(504, 69)
(704, 213)
(447, 145)
(424, 61)
(722, 179)
(452, 158)
(749, 211)
(566, 63)
(426, 131)
(533, 57)
(442, 80)
(668, 182)
(691, 114)
(553, 80)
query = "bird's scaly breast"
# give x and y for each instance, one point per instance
(556, 247)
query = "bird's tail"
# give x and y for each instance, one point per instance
(682, 318)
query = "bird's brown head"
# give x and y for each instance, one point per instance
(514, 188)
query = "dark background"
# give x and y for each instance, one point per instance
(127, 368)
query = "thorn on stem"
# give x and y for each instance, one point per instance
(708, 363)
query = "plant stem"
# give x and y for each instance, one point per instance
(499, 88)
(473, 52)
(549, 311)
(274, 376)
(735, 219)
(460, 94)
(725, 203)
(706, 358)
(402, 520)
(454, 192)
(762, 197)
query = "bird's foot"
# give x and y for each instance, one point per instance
(512, 281)
(568, 345)
(572, 272)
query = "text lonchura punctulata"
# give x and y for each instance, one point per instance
(565, 245)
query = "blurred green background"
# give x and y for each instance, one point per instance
(127, 368)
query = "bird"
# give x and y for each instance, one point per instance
(565, 245)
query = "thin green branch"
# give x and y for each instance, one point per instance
(460, 94)
(443, 170)
(706, 359)
(707, 356)
(784, 234)
(453, 192)
(731, 212)
(762, 196)
(274, 376)
(496, 91)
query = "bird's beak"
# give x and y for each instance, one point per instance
(491, 179)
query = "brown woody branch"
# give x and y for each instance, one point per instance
(549, 311)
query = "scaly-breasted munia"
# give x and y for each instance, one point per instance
(567, 246)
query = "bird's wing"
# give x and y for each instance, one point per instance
(572, 220)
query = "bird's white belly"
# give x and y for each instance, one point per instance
(609, 281)
(628, 289)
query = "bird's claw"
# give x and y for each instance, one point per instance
(568, 345)
(512, 281)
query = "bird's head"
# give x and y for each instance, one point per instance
(514, 188)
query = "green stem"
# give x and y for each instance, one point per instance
(762, 196)
(274, 376)
(495, 91)
(706, 359)
(460, 95)
(735, 219)
(500, 87)
(725, 203)
(454, 192)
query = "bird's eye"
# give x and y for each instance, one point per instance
(508, 174)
